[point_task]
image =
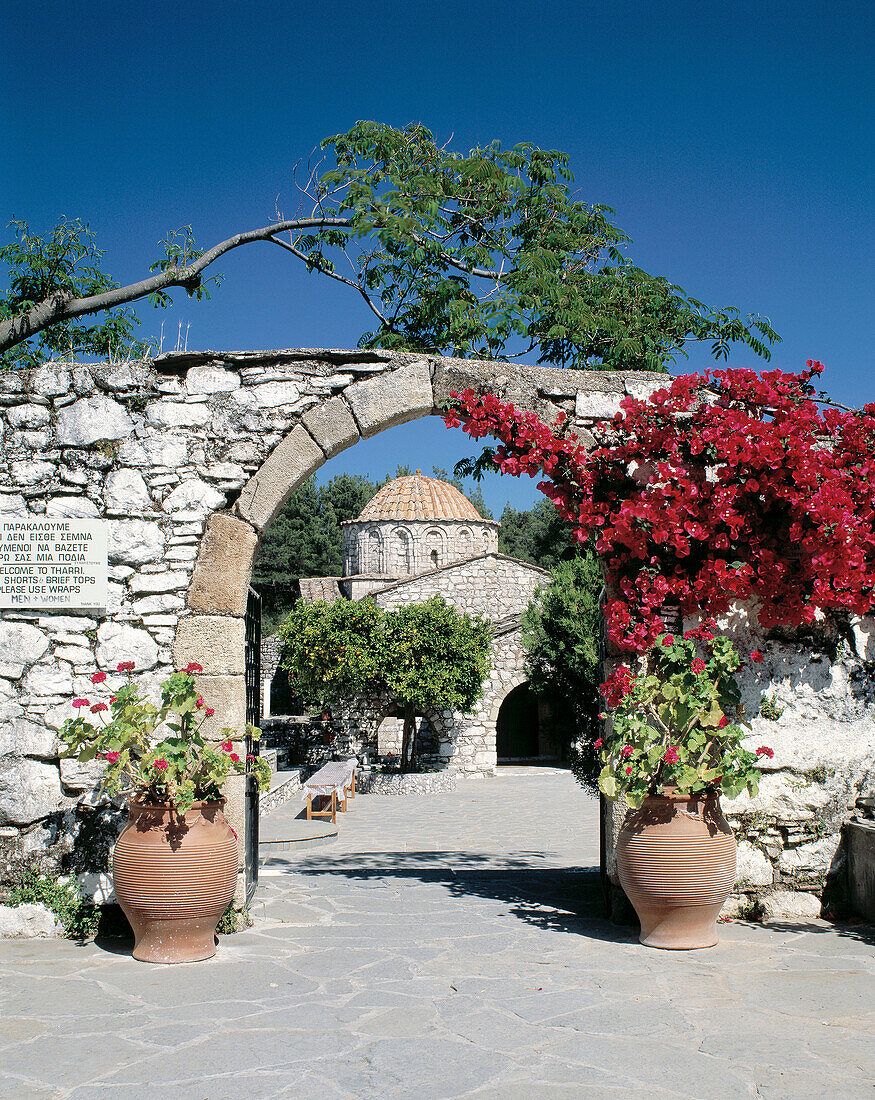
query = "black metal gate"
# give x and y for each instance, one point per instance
(252, 679)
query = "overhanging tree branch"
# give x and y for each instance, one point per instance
(64, 306)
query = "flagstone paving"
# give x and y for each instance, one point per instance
(445, 946)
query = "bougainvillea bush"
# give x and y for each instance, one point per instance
(677, 721)
(158, 754)
(723, 486)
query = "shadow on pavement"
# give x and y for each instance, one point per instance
(560, 899)
(854, 930)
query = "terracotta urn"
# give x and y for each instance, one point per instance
(174, 877)
(676, 862)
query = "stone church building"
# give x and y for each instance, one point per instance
(419, 537)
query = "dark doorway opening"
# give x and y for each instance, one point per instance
(518, 727)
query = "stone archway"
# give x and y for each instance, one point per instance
(187, 458)
(402, 388)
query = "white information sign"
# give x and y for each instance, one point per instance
(52, 563)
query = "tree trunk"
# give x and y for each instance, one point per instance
(408, 741)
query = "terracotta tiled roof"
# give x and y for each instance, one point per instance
(419, 497)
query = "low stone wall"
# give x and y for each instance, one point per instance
(287, 785)
(367, 782)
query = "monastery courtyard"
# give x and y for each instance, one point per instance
(447, 945)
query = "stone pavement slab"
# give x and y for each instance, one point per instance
(445, 946)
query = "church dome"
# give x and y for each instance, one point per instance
(419, 498)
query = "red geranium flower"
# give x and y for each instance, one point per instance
(161, 764)
(209, 712)
(193, 666)
(723, 723)
(77, 703)
(597, 744)
(112, 756)
(125, 666)
(98, 677)
(200, 702)
(671, 755)
(627, 752)
(764, 750)
(98, 708)
(227, 746)
(628, 771)
(668, 640)
(698, 666)
(756, 656)
(233, 756)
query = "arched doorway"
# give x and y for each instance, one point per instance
(346, 397)
(517, 728)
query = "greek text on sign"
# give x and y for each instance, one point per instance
(53, 563)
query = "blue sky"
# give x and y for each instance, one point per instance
(734, 141)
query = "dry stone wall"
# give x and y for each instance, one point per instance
(188, 458)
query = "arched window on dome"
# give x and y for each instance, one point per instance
(375, 553)
(404, 550)
(435, 552)
(464, 542)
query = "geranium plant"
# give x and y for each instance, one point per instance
(159, 754)
(677, 721)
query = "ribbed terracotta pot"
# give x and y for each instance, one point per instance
(174, 877)
(676, 861)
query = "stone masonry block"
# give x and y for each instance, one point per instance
(221, 577)
(332, 426)
(227, 697)
(215, 642)
(392, 398)
(294, 458)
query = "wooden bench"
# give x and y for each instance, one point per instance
(337, 776)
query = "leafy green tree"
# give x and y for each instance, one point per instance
(560, 635)
(538, 535)
(483, 254)
(332, 650)
(424, 657)
(434, 658)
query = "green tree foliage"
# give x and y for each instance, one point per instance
(332, 650)
(560, 635)
(434, 658)
(485, 254)
(66, 261)
(424, 656)
(538, 535)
